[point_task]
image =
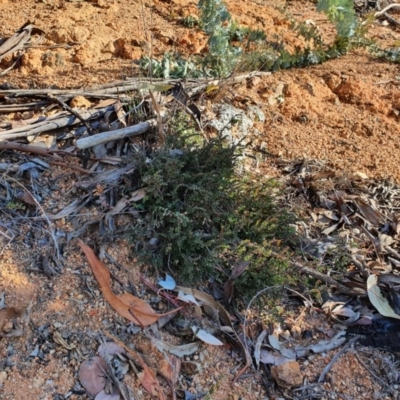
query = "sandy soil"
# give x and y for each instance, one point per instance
(345, 111)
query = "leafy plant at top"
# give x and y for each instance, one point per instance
(342, 13)
(199, 217)
(216, 22)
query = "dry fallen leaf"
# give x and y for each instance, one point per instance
(92, 375)
(130, 307)
(27, 198)
(147, 377)
(378, 301)
(109, 349)
(206, 337)
(170, 368)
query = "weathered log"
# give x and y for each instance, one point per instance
(106, 137)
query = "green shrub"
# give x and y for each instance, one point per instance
(199, 216)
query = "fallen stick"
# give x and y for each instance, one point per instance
(110, 136)
(49, 125)
(73, 112)
(26, 148)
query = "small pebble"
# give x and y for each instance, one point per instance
(8, 327)
(38, 382)
(3, 377)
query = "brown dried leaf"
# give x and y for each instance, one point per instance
(109, 349)
(27, 198)
(238, 269)
(373, 216)
(147, 377)
(130, 307)
(170, 368)
(92, 375)
(228, 291)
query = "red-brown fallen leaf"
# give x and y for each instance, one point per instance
(27, 198)
(130, 307)
(170, 368)
(92, 375)
(147, 377)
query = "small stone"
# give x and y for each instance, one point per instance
(8, 327)
(287, 375)
(3, 377)
(38, 382)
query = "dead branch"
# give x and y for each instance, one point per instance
(73, 112)
(26, 148)
(106, 137)
(55, 122)
(322, 277)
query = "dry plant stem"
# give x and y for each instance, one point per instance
(73, 167)
(73, 112)
(113, 90)
(385, 13)
(387, 8)
(27, 148)
(118, 134)
(323, 278)
(7, 108)
(199, 86)
(160, 125)
(336, 357)
(16, 42)
(393, 252)
(53, 236)
(53, 123)
(360, 266)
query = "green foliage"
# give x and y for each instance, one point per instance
(342, 13)
(216, 22)
(171, 66)
(190, 21)
(229, 44)
(241, 34)
(198, 216)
